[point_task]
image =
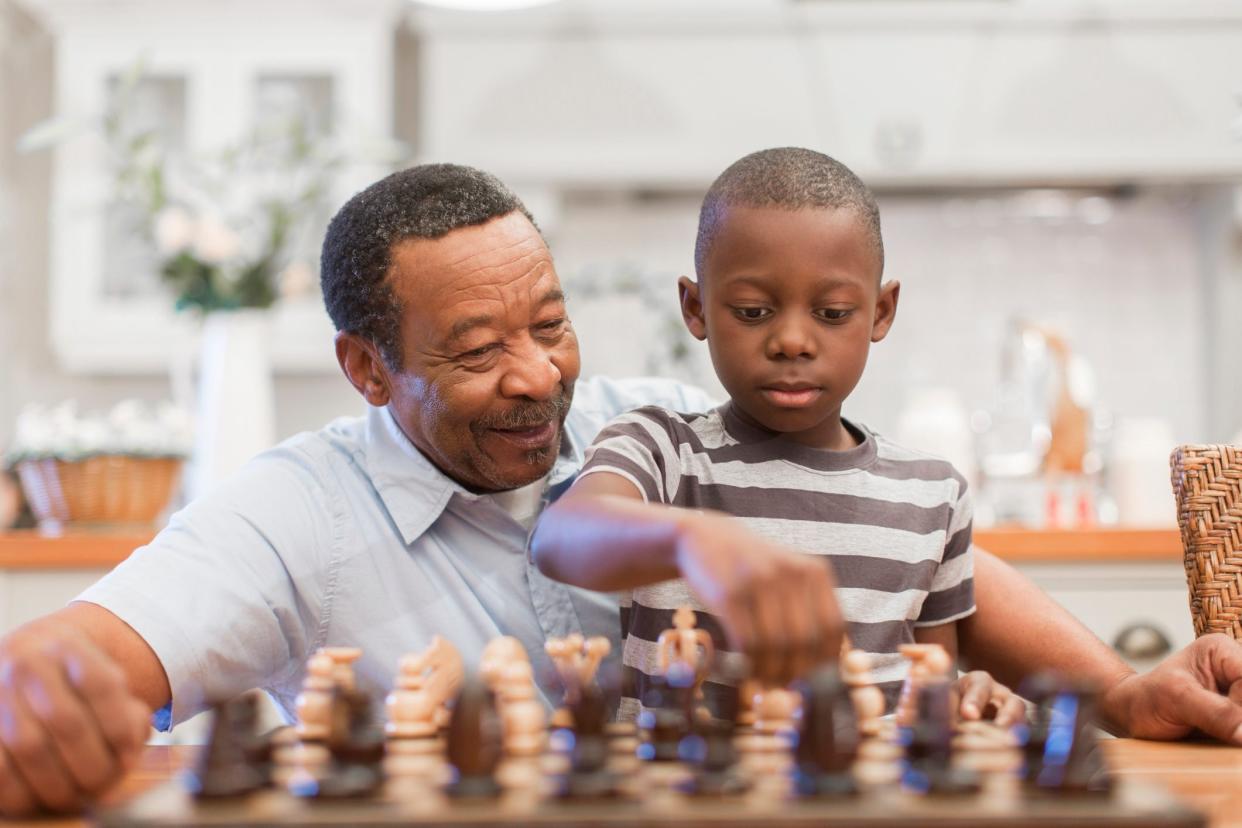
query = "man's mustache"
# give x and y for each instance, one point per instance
(526, 415)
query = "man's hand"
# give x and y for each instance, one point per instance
(983, 697)
(777, 606)
(1197, 688)
(69, 725)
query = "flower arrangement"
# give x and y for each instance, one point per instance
(223, 224)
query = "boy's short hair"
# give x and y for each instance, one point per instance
(789, 178)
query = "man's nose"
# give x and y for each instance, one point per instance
(530, 372)
(790, 339)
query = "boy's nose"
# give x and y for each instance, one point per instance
(791, 341)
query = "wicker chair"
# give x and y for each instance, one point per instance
(1207, 482)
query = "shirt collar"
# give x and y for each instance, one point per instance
(416, 493)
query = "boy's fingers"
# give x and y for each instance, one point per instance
(1012, 711)
(976, 690)
(771, 641)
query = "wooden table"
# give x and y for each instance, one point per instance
(1204, 775)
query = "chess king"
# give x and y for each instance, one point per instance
(382, 531)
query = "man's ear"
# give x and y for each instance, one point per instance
(885, 310)
(364, 367)
(691, 300)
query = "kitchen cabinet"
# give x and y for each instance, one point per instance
(997, 93)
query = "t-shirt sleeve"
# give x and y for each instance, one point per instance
(228, 596)
(952, 593)
(639, 446)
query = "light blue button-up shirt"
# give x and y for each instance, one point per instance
(349, 536)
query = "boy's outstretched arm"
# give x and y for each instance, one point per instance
(775, 605)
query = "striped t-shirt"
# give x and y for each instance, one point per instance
(895, 524)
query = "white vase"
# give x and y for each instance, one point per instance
(235, 417)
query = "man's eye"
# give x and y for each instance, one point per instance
(834, 314)
(478, 353)
(552, 326)
(751, 314)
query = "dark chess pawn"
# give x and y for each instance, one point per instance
(827, 741)
(711, 752)
(588, 775)
(229, 766)
(1071, 760)
(475, 742)
(1040, 690)
(355, 749)
(928, 765)
(667, 708)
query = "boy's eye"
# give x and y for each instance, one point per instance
(833, 314)
(751, 314)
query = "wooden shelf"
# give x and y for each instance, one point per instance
(103, 550)
(1113, 544)
(72, 550)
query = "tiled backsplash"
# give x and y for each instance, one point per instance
(1120, 276)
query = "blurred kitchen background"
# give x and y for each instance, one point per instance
(1060, 184)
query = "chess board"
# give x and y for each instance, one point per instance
(651, 793)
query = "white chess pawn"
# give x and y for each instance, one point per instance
(868, 699)
(343, 659)
(497, 656)
(522, 715)
(776, 709)
(314, 703)
(426, 682)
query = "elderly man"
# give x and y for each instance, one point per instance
(381, 531)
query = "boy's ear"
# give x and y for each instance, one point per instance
(885, 310)
(688, 293)
(360, 359)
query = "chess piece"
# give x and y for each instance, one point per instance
(747, 690)
(343, 659)
(1040, 690)
(355, 747)
(417, 707)
(523, 717)
(474, 742)
(497, 655)
(229, 765)
(775, 710)
(928, 765)
(868, 699)
(314, 703)
(927, 662)
(709, 748)
(664, 719)
(827, 739)
(588, 775)
(687, 645)
(577, 660)
(1071, 761)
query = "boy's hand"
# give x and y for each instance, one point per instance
(983, 697)
(776, 605)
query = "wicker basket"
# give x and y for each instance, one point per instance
(1207, 482)
(111, 489)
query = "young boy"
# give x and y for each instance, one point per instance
(789, 298)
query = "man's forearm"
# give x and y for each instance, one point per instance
(608, 543)
(1017, 630)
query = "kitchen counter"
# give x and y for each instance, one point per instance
(103, 550)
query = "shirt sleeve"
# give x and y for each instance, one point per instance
(228, 596)
(952, 592)
(640, 447)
